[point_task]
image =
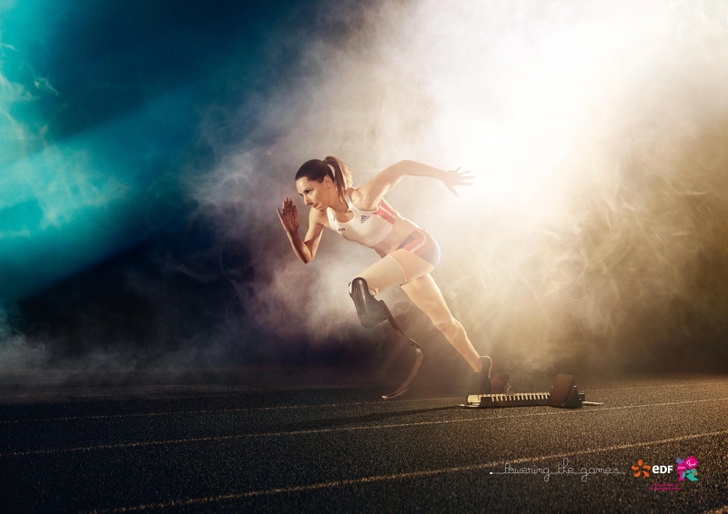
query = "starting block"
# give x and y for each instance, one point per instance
(563, 394)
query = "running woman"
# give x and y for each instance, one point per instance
(408, 253)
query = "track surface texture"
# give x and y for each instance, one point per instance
(212, 448)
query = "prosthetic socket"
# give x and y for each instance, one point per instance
(370, 310)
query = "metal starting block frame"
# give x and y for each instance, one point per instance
(563, 394)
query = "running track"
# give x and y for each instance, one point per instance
(337, 449)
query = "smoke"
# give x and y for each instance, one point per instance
(21, 90)
(17, 354)
(597, 133)
(594, 236)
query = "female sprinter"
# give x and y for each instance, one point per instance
(408, 253)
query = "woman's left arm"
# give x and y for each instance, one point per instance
(373, 191)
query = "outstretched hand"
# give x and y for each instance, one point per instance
(288, 214)
(457, 178)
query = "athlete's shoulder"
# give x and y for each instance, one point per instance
(318, 217)
(360, 200)
(353, 194)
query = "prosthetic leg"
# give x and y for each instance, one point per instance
(371, 312)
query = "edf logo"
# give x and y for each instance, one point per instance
(643, 469)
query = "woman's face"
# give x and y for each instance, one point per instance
(316, 194)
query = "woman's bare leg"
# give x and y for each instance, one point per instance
(402, 267)
(425, 294)
(383, 274)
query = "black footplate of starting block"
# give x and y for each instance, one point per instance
(563, 394)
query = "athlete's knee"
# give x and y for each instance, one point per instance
(445, 323)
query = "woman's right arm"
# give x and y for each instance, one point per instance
(304, 250)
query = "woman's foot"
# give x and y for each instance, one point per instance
(482, 378)
(500, 384)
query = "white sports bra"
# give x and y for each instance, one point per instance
(367, 228)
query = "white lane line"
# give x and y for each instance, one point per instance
(703, 400)
(678, 383)
(337, 429)
(290, 407)
(397, 476)
(213, 411)
(171, 413)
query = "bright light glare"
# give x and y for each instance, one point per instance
(516, 91)
(595, 130)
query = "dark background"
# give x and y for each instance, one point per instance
(143, 276)
(139, 85)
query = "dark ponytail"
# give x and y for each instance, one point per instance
(332, 167)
